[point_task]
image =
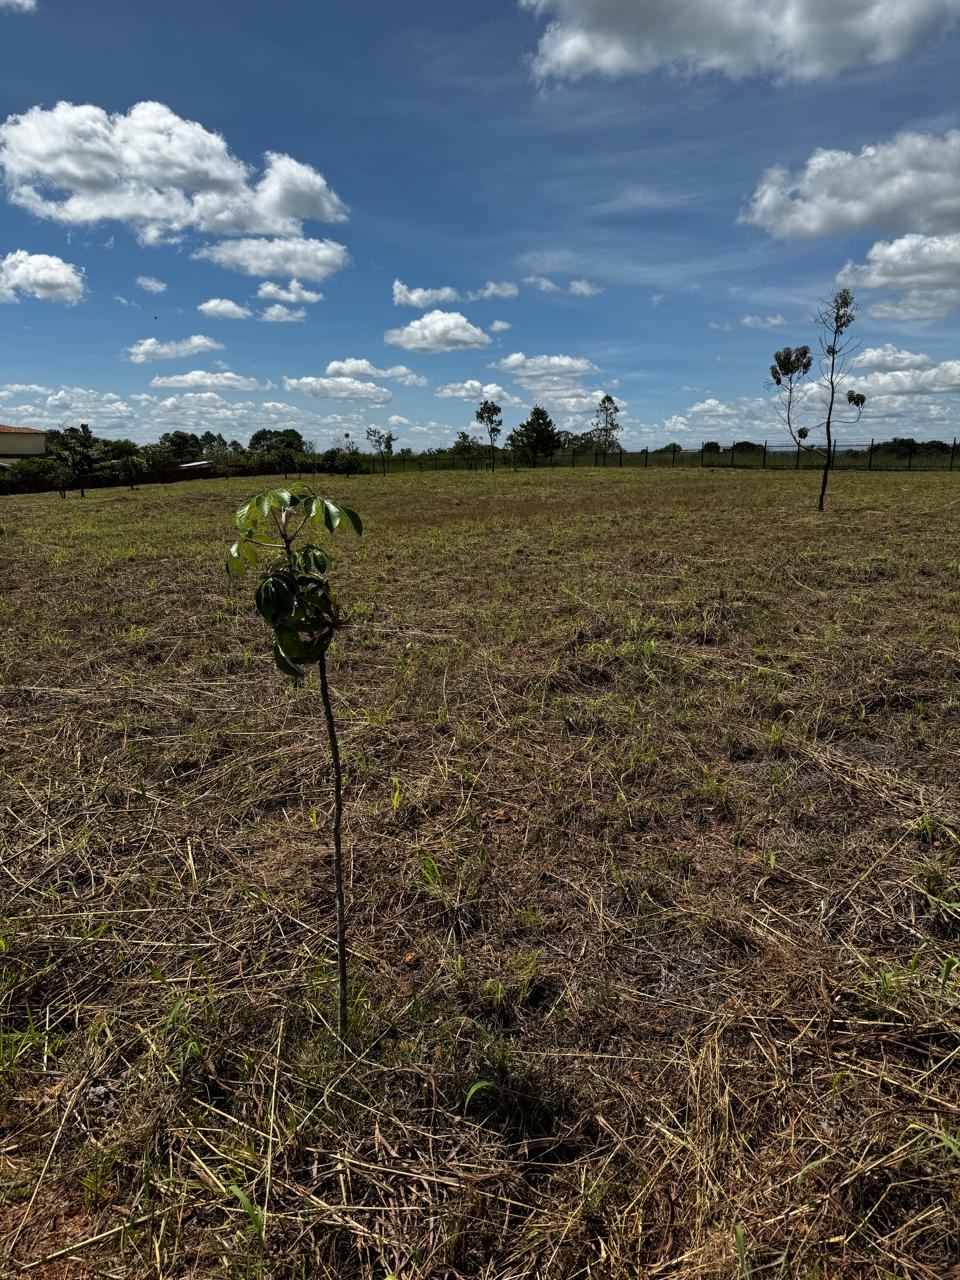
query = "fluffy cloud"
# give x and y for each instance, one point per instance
(530, 368)
(932, 380)
(150, 284)
(910, 183)
(438, 331)
(925, 268)
(200, 379)
(808, 40)
(279, 314)
(355, 368)
(19, 6)
(148, 349)
(713, 407)
(422, 298)
(285, 256)
(500, 326)
(339, 389)
(505, 289)
(473, 390)
(584, 289)
(39, 275)
(395, 420)
(294, 293)
(151, 169)
(889, 359)
(224, 309)
(762, 322)
(542, 283)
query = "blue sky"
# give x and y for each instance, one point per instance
(651, 196)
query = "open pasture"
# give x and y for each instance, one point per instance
(653, 827)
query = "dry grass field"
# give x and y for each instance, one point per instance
(653, 826)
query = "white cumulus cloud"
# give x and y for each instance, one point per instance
(339, 389)
(474, 390)
(19, 6)
(293, 293)
(158, 173)
(925, 269)
(542, 283)
(279, 314)
(438, 331)
(224, 309)
(911, 183)
(762, 322)
(395, 420)
(201, 379)
(150, 284)
(889, 359)
(804, 40)
(282, 256)
(422, 298)
(148, 349)
(584, 288)
(39, 275)
(494, 289)
(500, 326)
(522, 366)
(356, 368)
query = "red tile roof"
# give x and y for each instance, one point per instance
(22, 431)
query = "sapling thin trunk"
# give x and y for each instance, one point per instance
(339, 895)
(294, 598)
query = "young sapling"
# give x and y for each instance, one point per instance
(295, 599)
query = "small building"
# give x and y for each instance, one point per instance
(17, 443)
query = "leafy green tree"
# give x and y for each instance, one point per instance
(469, 448)
(266, 440)
(490, 418)
(295, 599)
(537, 437)
(73, 447)
(214, 447)
(606, 427)
(807, 407)
(382, 442)
(184, 446)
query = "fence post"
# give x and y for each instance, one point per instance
(953, 454)
(733, 453)
(870, 457)
(621, 457)
(764, 455)
(702, 447)
(646, 456)
(797, 464)
(910, 460)
(673, 460)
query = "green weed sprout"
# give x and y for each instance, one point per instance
(295, 599)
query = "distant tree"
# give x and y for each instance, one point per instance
(469, 448)
(184, 446)
(214, 446)
(606, 427)
(73, 447)
(805, 407)
(268, 441)
(711, 446)
(382, 442)
(535, 438)
(490, 418)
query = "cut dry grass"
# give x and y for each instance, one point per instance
(654, 832)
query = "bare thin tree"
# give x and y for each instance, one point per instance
(807, 407)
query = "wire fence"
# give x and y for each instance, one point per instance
(866, 455)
